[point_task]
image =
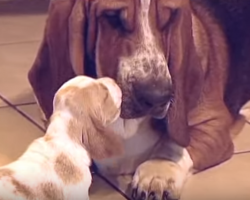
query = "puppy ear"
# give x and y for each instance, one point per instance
(101, 142)
(185, 70)
(62, 53)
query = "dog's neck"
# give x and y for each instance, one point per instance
(45, 149)
(62, 127)
(127, 128)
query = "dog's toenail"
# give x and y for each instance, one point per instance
(152, 195)
(165, 195)
(134, 193)
(143, 196)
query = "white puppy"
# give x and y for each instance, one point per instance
(56, 166)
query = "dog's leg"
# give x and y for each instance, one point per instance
(164, 175)
(210, 144)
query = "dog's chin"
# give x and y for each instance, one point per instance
(158, 115)
(131, 114)
(160, 112)
(130, 111)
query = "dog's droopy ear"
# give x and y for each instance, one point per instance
(62, 53)
(183, 63)
(101, 142)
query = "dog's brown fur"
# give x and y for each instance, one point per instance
(205, 68)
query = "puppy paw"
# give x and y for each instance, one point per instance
(158, 180)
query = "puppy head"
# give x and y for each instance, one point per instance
(89, 107)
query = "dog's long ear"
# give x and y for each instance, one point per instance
(62, 53)
(185, 69)
(101, 142)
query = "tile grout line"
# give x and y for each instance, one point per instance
(19, 42)
(22, 113)
(25, 104)
(17, 105)
(112, 185)
(242, 152)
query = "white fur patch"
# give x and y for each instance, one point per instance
(148, 59)
(147, 34)
(78, 81)
(114, 90)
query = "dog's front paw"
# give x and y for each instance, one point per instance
(158, 180)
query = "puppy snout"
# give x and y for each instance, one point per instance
(114, 90)
(152, 93)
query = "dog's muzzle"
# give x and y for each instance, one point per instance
(153, 95)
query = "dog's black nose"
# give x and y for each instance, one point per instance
(151, 93)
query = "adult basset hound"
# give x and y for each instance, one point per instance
(175, 64)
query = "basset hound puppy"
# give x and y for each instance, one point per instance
(171, 59)
(56, 166)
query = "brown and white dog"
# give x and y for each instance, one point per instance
(179, 69)
(56, 166)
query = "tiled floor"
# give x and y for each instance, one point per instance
(20, 35)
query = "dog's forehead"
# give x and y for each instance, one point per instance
(113, 89)
(75, 86)
(79, 82)
(145, 4)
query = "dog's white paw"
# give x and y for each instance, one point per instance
(158, 180)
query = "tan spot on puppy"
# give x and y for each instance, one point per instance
(66, 170)
(48, 138)
(20, 188)
(75, 130)
(6, 172)
(51, 191)
(23, 189)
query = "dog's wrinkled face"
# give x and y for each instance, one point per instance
(129, 48)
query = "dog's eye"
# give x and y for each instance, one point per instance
(165, 16)
(116, 18)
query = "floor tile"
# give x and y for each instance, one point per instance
(2, 103)
(33, 112)
(16, 134)
(228, 181)
(16, 60)
(245, 111)
(121, 182)
(100, 190)
(21, 28)
(242, 141)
